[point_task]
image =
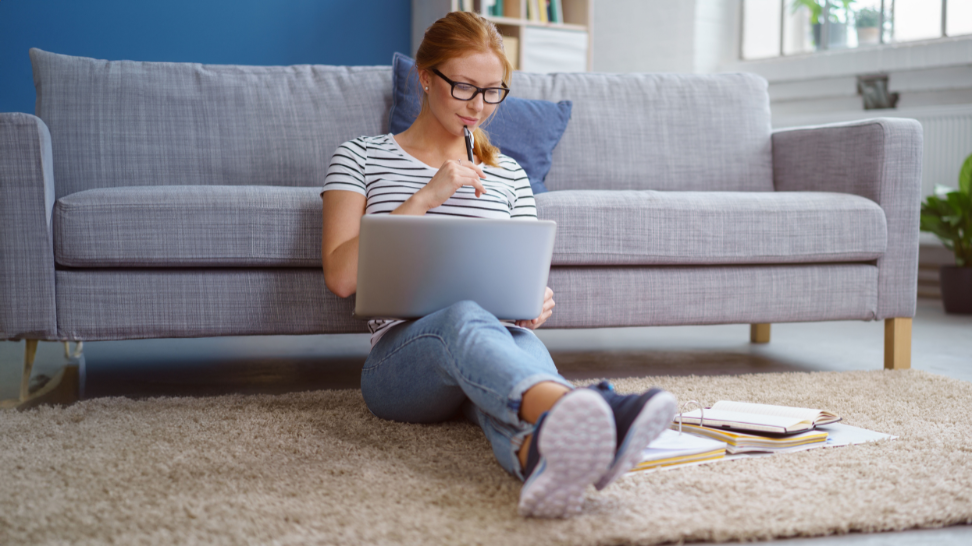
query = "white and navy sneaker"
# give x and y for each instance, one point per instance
(573, 445)
(640, 418)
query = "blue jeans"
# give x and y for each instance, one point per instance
(459, 358)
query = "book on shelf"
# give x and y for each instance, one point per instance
(556, 11)
(533, 10)
(673, 449)
(743, 442)
(511, 45)
(758, 417)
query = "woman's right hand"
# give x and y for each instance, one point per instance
(453, 175)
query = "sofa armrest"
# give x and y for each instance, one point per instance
(27, 304)
(879, 159)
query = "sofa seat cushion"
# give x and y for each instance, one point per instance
(618, 227)
(189, 226)
(268, 226)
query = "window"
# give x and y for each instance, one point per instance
(772, 28)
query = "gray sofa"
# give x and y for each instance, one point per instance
(149, 200)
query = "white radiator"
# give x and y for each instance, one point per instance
(948, 142)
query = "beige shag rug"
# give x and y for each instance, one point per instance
(318, 468)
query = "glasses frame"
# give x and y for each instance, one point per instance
(504, 89)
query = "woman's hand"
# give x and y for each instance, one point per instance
(453, 175)
(548, 304)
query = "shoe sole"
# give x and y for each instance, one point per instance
(577, 445)
(653, 419)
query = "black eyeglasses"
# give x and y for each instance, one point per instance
(468, 92)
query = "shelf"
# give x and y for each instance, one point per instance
(513, 21)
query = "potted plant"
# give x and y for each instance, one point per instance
(948, 215)
(867, 21)
(838, 26)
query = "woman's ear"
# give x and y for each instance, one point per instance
(425, 79)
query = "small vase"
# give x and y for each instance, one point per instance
(867, 36)
(956, 283)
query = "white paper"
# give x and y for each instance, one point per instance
(670, 445)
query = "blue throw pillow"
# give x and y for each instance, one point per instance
(525, 130)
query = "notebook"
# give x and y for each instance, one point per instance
(758, 417)
(410, 266)
(673, 449)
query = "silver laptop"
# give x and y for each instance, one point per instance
(409, 266)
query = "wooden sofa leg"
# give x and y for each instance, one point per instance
(759, 333)
(30, 352)
(897, 343)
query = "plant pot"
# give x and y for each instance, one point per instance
(956, 282)
(867, 36)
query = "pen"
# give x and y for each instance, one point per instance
(469, 144)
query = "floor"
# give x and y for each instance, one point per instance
(941, 344)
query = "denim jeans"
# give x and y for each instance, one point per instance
(459, 358)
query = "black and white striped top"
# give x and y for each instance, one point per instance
(380, 170)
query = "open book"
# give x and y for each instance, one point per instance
(741, 442)
(759, 417)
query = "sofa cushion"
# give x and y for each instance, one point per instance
(127, 123)
(658, 131)
(195, 226)
(695, 228)
(183, 226)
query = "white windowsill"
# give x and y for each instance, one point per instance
(939, 52)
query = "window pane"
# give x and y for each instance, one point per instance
(917, 20)
(761, 28)
(959, 17)
(801, 27)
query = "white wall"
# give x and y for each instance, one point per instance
(664, 35)
(643, 35)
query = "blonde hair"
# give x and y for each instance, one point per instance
(457, 34)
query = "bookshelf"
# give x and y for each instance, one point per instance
(533, 45)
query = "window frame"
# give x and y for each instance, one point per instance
(825, 30)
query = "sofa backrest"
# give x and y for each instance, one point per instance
(658, 131)
(126, 123)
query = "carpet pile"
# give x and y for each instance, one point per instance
(318, 468)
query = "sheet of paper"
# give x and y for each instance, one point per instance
(839, 435)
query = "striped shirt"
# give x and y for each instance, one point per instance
(381, 171)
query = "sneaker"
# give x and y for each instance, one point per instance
(573, 445)
(639, 419)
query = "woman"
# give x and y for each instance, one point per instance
(556, 438)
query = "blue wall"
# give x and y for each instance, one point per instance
(248, 32)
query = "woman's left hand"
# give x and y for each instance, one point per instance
(548, 304)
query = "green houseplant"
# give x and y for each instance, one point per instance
(948, 215)
(838, 27)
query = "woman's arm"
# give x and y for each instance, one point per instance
(342, 211)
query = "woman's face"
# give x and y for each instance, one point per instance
(479, 69)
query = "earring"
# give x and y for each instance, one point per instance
(426, 89)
